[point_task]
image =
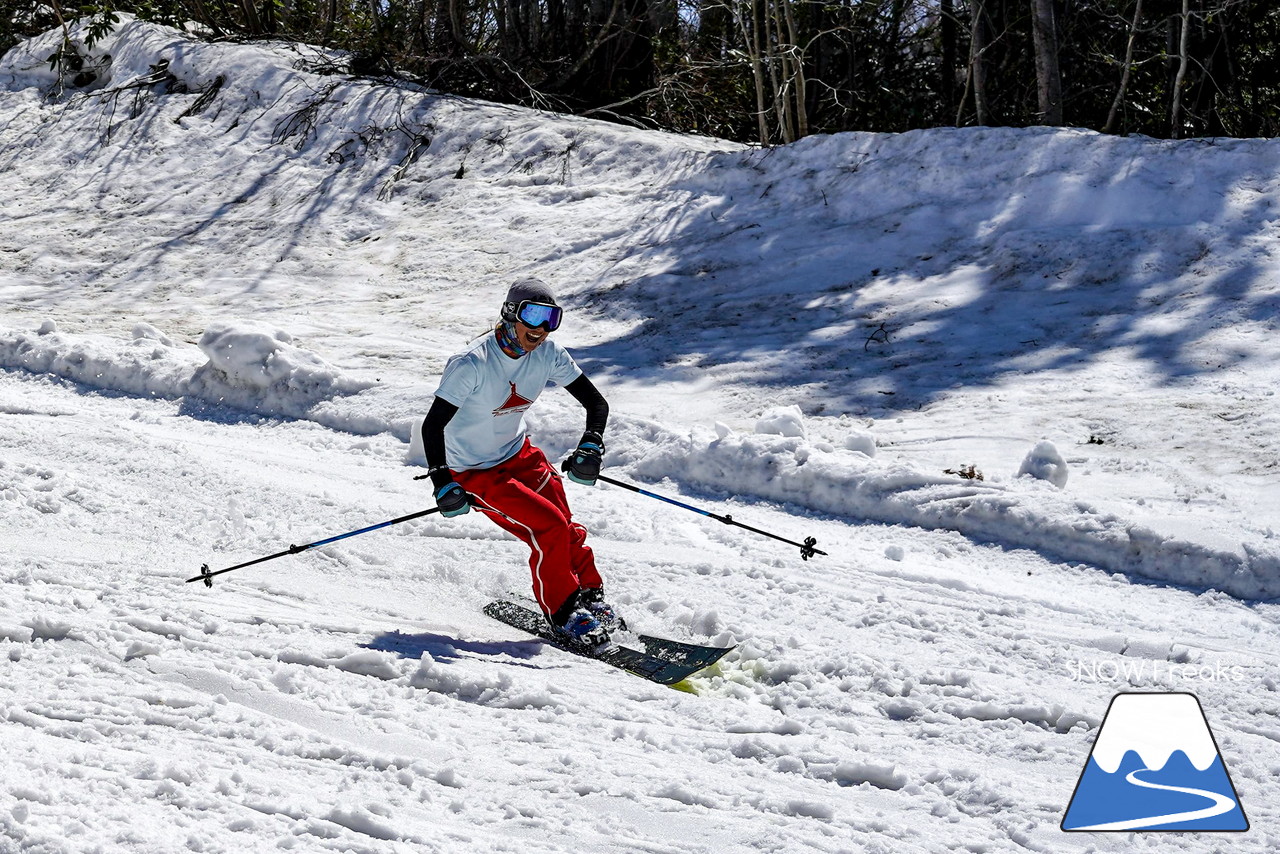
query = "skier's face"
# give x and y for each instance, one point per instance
(530, 338)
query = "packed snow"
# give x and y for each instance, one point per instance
(1019, 384)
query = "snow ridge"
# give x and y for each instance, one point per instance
(249, 367)
(1017, 515)
(259, 370)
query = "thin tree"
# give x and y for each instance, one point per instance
(947, 81)
(1184, 58)
(1113, 116)
(799, 90)
(749, 23)
(1044, 30)
(976, 76)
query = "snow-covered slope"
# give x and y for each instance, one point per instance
(977, 278)
(228, 294)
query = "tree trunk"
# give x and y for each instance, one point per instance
(330, 19)
(947, 84)
(767, 17)
(251, 22)
(889, 42)
(663, 16)
(783, 94)
(457, 29)
(800, 90)
(751, 39)
(603, 34)
(1114, 115)
(977, 63)
(1175, 112)
(1048, 72)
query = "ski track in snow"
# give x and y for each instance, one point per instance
(218, 333)
(355, 698)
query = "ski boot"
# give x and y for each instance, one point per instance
(585, 632)
(593, 600)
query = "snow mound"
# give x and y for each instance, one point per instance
(245, 366)
(1044, 462)
(860, 441)
(310, 170)
(260, 369)
(145, 366)
(782, 421)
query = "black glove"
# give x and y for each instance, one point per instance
(453, 500)
(583, 465)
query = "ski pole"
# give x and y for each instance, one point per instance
(207, 577)
(807, 549)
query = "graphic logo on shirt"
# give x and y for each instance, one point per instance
(514, 403)
(1155, 766)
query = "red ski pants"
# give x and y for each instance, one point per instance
(525, 496)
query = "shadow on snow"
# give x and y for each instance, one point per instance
(909, 266)
(446, 648)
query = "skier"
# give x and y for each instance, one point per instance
(479, 454)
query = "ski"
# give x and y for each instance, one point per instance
(663, 661)
(686, 653)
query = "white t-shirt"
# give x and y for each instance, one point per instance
(492, 392)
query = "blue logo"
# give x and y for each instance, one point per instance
(1155, 766)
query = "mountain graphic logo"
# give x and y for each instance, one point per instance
(515, 403)
(1155, 766)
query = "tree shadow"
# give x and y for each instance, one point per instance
(861, 272)
(268, 212)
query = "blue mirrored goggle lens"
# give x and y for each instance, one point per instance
(539, 314)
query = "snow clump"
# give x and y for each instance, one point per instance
(252, 357)
(146, 332)
(782, 421)
(1045, 463)
(860, 441)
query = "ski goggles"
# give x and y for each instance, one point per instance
(535, 314)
